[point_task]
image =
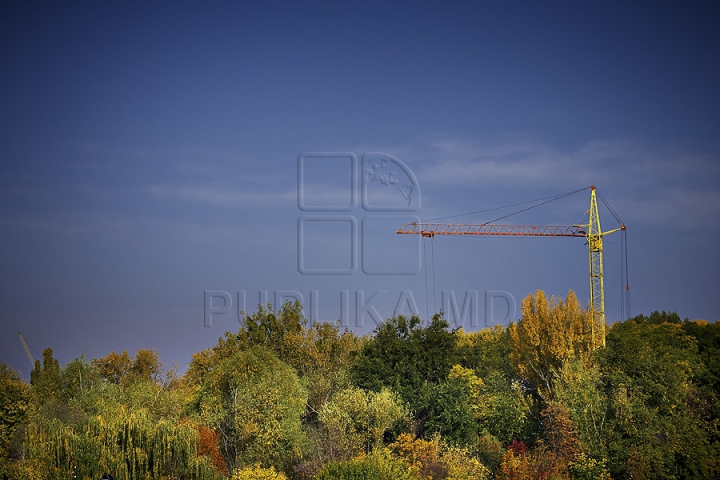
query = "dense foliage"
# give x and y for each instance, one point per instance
(282, 399)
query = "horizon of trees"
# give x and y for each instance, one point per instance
(286, 399)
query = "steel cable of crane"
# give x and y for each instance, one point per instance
(623, 255)
(622, 280)
(535, 206)
(549, 199)
(607, 205)
(432, 250)
(627, 277)
(427, 295)
(431, 271)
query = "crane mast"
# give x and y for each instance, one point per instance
(590, 231)
(27, 349)
(595, 255)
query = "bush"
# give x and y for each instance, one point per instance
(256, 472)
(381, 464)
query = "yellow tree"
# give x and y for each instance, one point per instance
(433, 459)
(113, 367)
(549, 334)
(356, 420)
(322, 354)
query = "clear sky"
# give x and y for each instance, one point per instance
(155, 151)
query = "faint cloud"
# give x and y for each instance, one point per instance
(101, 149)
(194, 168)
(223, 196)
(521, 163)
(676, 207)
(650, 185)
(318, 195)
(54, 226)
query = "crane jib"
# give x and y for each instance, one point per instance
(432, 229)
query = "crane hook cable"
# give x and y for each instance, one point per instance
(432, 249)
(427, 295)
(624, 256)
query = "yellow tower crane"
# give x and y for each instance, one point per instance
(590, 231)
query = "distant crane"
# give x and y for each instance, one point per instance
(27, 349)
(590, 231)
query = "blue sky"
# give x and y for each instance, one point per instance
(150, 154)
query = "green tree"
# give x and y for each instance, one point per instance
(657, 318)
(486, 351)
(264, 327)
(78, 378)
(13, 403)
(653, 429)
(321, 353)
(707, 336)
(498, 399)
(445, 408)
(130, 444)
(13, 412)
(414, 361)
(46, 379)
(256, 402)
(498, 404)
(582, 392)
(404, 356)
(83, 420)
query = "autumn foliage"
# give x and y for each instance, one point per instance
(284, 399)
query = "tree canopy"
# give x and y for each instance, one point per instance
(283, 398)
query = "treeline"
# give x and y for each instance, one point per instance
(281, 398)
